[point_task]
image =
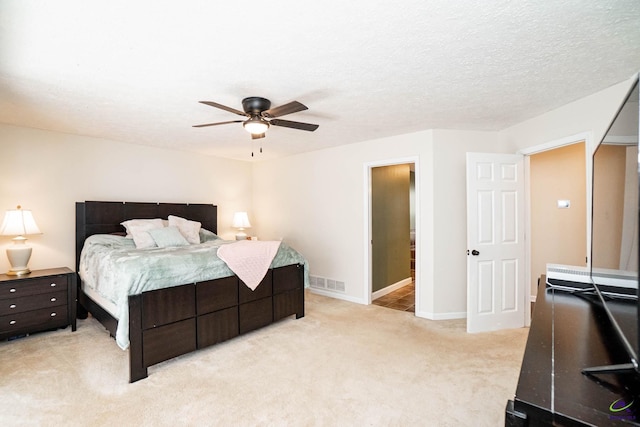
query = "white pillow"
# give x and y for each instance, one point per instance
(138, 229)
(130, 222)
(189, 229)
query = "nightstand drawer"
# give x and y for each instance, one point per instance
(19, 305)
(46, 318)
(25, 287)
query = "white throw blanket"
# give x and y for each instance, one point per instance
(249, 259)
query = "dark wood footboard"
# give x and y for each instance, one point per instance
(170, 322)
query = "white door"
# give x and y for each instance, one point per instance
(495, 238)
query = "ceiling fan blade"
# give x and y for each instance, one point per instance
(291, 107)
(257, 136)
(223, 107)
(219, 123)
(293, 125)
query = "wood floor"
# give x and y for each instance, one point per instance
(402, 299)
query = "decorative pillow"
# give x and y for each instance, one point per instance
(138, 229)
(206, 235)
(168, 236)
(189, 229)
(136, 222)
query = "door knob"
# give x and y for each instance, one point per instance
(475, 253)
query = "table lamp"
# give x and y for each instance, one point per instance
(241, 221)
(19, 222)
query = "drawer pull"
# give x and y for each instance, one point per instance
(12, 306)
(53, 314)
(13, 322)
(12, 290)
(54, 299)
(53, 285)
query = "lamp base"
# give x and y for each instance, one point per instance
(18, 256)
(18, 272)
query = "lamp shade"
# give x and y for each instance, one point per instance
(19, 222)
(241, 220)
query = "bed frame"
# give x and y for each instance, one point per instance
(169, 322)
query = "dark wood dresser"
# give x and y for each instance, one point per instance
(38, 301)
(569, 333)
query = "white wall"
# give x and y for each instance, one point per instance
(317, 202)
(450, 210)
(593, 114)
(48, 172)
(585, 119)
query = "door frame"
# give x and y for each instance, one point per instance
(589, 146)
(368, 223)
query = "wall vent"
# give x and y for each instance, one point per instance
(318, 282)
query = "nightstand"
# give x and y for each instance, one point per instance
(38, 301)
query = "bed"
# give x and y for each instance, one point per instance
(179, 318)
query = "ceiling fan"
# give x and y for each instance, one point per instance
(261, 116)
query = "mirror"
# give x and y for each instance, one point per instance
(614, 240)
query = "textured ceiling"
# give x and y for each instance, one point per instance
(134, 71)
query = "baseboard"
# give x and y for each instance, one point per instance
(442, 316)
(394, 287)
(422, 314)
(335, 295)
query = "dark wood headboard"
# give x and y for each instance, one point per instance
(105, 217)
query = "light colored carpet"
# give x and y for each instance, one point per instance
(343, 364)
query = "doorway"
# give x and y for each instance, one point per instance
(392, 234)
(581, 141)
(558, 194)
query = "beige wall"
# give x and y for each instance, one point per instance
(558, 235)
(48, 172)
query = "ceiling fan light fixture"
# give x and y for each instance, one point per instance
(256, 125)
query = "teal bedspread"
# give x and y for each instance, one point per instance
(113, 267)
